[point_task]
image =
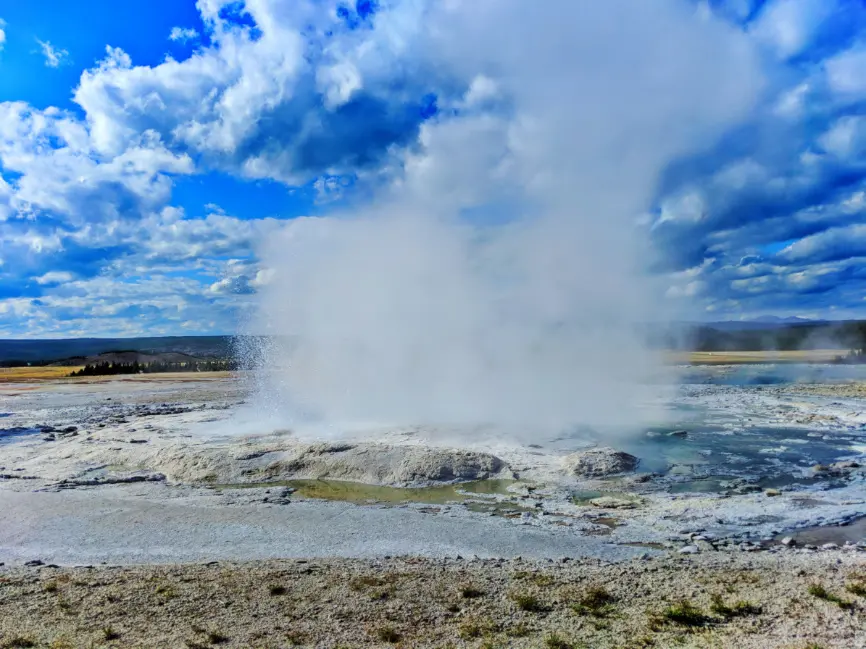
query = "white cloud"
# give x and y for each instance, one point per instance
(845, 72)
(788, 26)
(2, 34)
(54, 56)
(54, 277)
(183, 34)
(846, 138)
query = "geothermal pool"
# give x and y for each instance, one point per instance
(137, 467)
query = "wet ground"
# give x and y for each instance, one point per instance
(744, 454)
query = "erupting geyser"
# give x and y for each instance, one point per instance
(498, 277)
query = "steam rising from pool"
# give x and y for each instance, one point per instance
(500, 279)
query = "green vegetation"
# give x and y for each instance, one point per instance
(857, 587)
(475, 628)
(194, 365)
(740, 608)
(596, 601)
(555, 641)
(817, 590)
(519, 630)
(528, 602)
(387, 634)
(18, 642)
(685, 613)
(108, 633)
(470, 592)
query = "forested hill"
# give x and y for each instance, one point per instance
(43, 351)
(721, 336)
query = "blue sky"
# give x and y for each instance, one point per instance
(147, 149)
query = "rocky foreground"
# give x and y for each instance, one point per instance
(792, 601)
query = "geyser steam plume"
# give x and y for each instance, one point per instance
(498, 280)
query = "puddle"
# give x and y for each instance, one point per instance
(359, 493)
(608, 525)
(645, 544)
(708, 485)
(584, 497)
(855, 533)
(506, 510)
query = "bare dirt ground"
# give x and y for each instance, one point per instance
(792, 601)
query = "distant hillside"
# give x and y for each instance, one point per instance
(761, 335)
(764, 336)
(35, 351)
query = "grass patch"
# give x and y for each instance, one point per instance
(517, 631)
(470, 592)
(378, 588)
(818, 590)
(596, 601)
(740, 608)
(388, 634)
(856, 588)
(528, 602)
(18, 642)
(64, 604)
(475, 628)
(61, 642)
(685, 613)
(539, 579)
(50, 587)
(109, 633)
(276, 591)
(555, 641)
(365, 582)
(542, 580)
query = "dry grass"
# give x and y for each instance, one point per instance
(735, 358)
(654, 604)
(39, 374)
(25, 374)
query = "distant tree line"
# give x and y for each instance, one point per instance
(819, 335)
(105, 368)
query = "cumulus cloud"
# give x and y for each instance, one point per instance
(183, 34)
(54, 56)
(2, 34)
(359, 99)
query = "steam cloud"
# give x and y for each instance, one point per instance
(500, 280)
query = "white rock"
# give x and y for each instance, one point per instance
(599, 462)
(689, 549)
(788, 541)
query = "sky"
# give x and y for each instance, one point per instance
(149, 149)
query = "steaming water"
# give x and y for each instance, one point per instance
(745, 436)
(498, 275)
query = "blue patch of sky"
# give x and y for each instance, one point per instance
(140, 28)
(770, 249)
(236, 14)
(356, 16)
(245, 199)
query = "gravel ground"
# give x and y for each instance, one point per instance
(702, 601)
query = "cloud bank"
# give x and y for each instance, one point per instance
(744, 211)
